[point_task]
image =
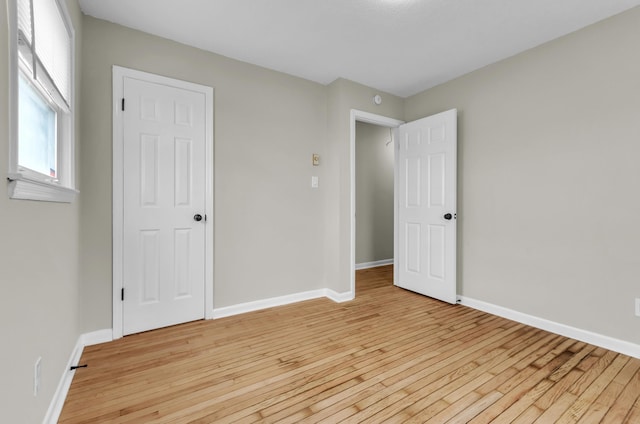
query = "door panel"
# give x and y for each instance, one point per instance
(435, 253)
(150, 266)
(427, 182)
(164, 187)
(149, 169)
(413, 231)
(183, 158)
(436, 180)
(182, 256)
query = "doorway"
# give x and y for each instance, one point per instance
(381, 121)
(425, 198)
(374, 195)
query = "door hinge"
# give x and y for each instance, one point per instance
(122, 294)
(123, 103)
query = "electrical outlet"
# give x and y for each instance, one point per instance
(638, 306)
(37, 373)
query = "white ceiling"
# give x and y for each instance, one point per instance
(398, 46)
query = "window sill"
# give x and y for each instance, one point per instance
(25, 188)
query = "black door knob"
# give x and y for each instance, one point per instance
(197, 217)
(448, 216)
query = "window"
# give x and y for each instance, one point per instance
(41, 159)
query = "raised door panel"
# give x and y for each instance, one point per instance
(413, 247)
(149, 169)
(149, 266)
(435, 252)
(183, 282)
(436, 180)
(183, 171)
(413, 187)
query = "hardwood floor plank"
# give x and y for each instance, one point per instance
(559, 388)
(556, 409)
(624, 404)
(634, 414)
(473, 410)
(593, 415)
(605, 376)
(523, 383)
(388, 356)
(529, 416)
(454, 409)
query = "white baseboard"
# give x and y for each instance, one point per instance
(616, 345)
(97, 337)
(86, 339)
(366, 265)
(55, 407)
(339, 297)
(257, 305)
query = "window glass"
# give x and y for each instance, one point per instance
(36, 131)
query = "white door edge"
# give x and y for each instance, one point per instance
(383, 121)
(119, 73)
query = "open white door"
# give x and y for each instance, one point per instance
(426, 196)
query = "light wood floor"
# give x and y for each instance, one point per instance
(390, 355)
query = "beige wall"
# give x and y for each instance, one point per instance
(549, 143)
(38, 275)
(374, 193)
(268, 220)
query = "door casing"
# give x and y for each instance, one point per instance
(119, 73)
(383, 121)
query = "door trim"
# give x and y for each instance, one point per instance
(119, 73)
(383, 121)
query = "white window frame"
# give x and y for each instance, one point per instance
(24, 183)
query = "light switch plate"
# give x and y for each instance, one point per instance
(315, 159)
(314, 182)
